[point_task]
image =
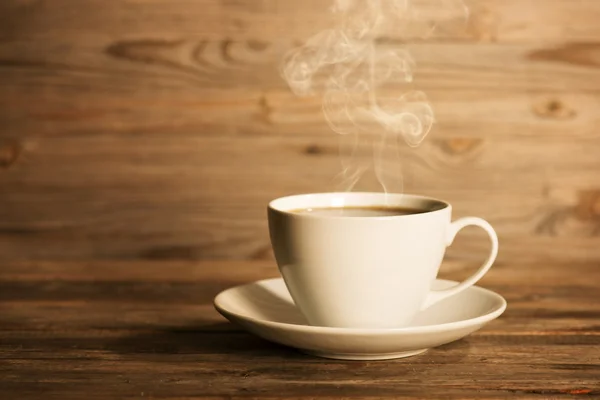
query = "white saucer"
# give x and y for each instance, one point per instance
(266, 309)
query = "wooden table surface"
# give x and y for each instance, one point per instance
(148, 330)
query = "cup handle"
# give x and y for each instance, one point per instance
(437, 295)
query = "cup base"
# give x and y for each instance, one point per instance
(365, 357)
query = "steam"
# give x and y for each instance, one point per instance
(354, 75)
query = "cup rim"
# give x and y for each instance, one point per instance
(276, 204)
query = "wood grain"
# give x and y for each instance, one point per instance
(104, 66)
(120, 329)
(490, 20)
(207, 207)
(151, 130)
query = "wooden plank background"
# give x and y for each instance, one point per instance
(109, 329)
(155, 129)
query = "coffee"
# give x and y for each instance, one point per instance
(366, 273)
(372, 211)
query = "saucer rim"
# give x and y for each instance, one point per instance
(479, 320)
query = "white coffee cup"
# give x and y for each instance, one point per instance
(366, 272)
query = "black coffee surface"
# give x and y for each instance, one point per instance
(375, 211)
